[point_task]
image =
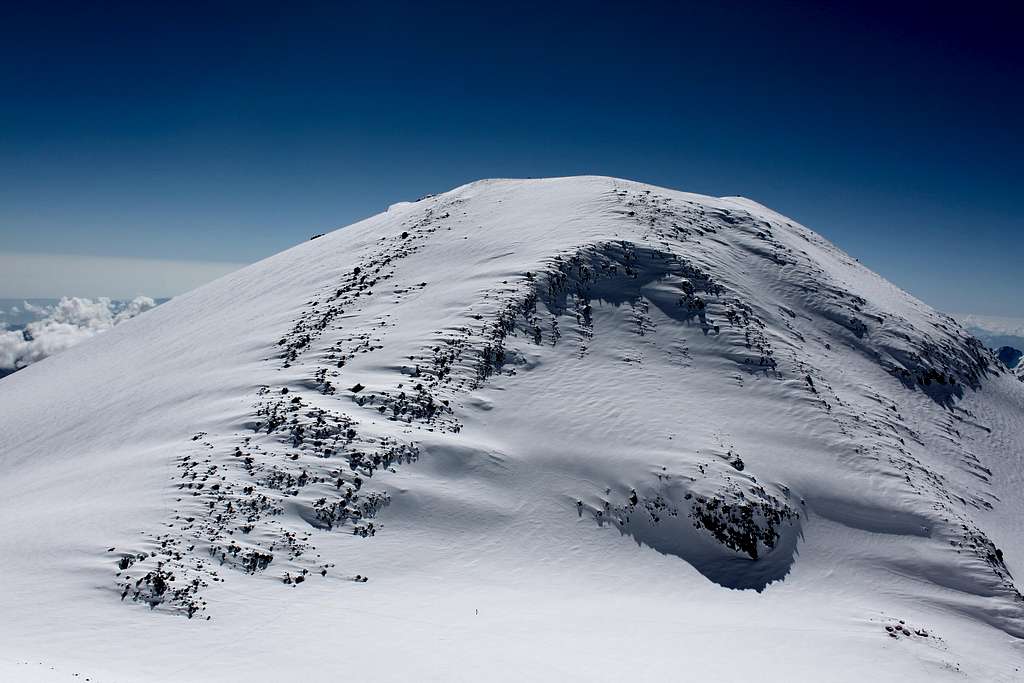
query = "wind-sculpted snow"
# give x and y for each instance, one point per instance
(586, 383)
(310, 462)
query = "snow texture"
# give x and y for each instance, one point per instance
(575, 428)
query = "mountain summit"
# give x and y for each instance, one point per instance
(526, 429)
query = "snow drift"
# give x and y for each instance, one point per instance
(576, 427)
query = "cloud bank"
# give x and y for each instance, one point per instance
(995, 325)
(62, 325)
(995, 331)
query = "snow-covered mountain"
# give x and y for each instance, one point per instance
(1009, 356)
(577, 428)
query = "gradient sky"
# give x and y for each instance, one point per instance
(225, 132)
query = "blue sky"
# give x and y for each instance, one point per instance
(182, 135)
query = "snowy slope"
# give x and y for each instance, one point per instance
(553, 429)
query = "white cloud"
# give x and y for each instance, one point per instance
(996, 325)
(62, 325)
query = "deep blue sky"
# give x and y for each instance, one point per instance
(226, 132)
